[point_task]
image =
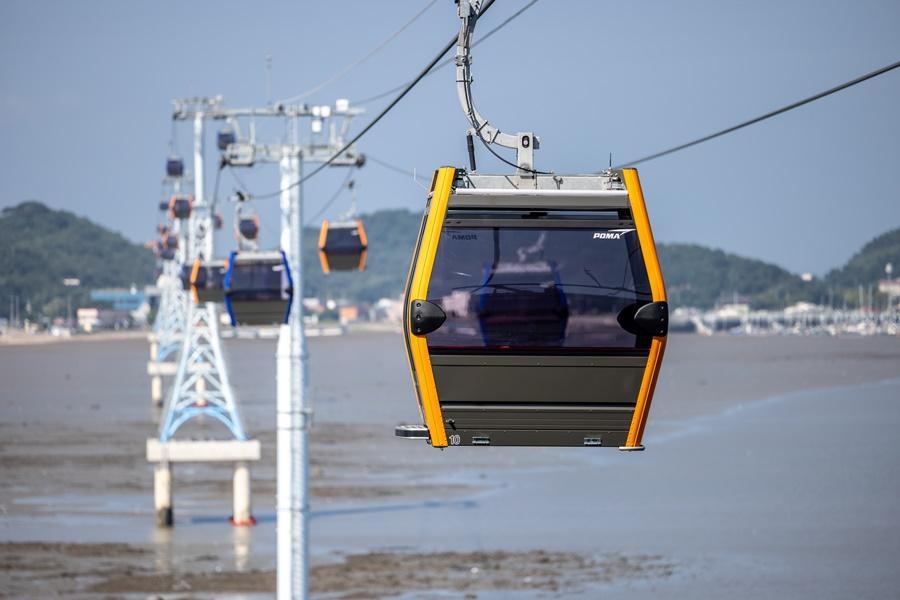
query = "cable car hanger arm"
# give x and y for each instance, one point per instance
(524, 143)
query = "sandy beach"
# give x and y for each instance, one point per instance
(770, 462)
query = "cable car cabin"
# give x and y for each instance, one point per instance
(174, 166)
(258, 288)
(185, 276)
(208, 281)
(535, 316)
(225, 138)
(343, 246)
(180, 207)
(248, 227)
(163, 252)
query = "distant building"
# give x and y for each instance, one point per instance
(736, 309)
(387, 309)
(91, 319)
(120, 298)
(88, 319)
(348, 314)
(313, 305)
(890, 287)
(801, 308)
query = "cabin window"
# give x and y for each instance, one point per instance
(259, 282)
(540, 290)
(343, 239)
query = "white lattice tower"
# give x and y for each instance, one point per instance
(170, 316)
(201, 386)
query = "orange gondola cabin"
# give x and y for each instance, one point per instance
(535, 311)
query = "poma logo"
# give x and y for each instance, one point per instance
(612, 234)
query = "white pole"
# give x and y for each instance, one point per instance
(198, 186)
(156, 390)
(284, 565)
(162, 493)
(293, 414)
(241, 514)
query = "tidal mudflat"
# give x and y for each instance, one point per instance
(772, 467)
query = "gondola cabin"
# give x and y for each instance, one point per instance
(180, 207)
(208, 280)
(248, 227)
(163, 252)
(225, 138)
(184, 276)
(174, 167)
(535, 311)
(343, 246)
(258, 288)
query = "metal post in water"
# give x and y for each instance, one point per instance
(162, 494)
(241, 513)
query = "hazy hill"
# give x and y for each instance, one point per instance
(867, 265)
(40, 246)
(700, 276)
(695, 275)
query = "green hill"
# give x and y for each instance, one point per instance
(700, 276)
(40, 246)
(867, 265)
(695, 275)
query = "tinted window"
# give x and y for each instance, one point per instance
(259, 282)
(536, 289)
(182, 208)
(343, 239)
(209, 278)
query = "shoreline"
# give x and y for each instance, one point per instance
(44, 338)
(18, 338)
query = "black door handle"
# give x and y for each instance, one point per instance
(651, 318)
(425, 317)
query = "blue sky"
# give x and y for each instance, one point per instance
(85, 91)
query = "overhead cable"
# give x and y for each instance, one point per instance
(391, 167)
(334, 197)
(768, 115)
(447, 61)
(487, 5)
(340, 74)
